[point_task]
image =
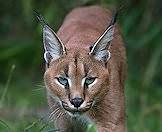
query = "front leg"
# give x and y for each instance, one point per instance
(108, 118)
(63, 125)
(101, 129)
(111, 128)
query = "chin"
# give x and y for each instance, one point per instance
(76, 112)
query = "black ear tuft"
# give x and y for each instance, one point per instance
(100, 48)
(53, 46)
(40, 18)
(114, 18)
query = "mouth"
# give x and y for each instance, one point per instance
(77, 111)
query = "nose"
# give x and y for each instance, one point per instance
(77, 101)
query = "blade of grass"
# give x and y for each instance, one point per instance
(152, 66)
(7, 85)
(5, 125)
(55, 130)
(33, 124)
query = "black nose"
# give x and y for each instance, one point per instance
(77, 101)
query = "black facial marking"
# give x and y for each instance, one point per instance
(65, 51)
(85, 70)
(66, 69)
(90, 48)
(85, 86)
(76, 60)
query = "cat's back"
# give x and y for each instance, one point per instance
(83, 25)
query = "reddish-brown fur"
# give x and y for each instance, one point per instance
(80, 29)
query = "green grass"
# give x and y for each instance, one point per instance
(22, 97)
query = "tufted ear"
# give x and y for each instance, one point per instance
(53, 47)
(100, 49)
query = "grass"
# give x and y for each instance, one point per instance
(6, 86)
(22, 95)
(27, 122)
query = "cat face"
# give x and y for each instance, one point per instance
(78, 81)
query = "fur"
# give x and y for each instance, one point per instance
(80, 29)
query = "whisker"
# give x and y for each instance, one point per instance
(54, 113)
(37, 89)
(58, 116)
(51, 107)
(41, 86)
(54, 105)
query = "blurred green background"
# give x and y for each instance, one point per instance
(23, 105)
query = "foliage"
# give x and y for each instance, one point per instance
(22, 66)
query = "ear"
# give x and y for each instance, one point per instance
(100, 49)
(53, 47)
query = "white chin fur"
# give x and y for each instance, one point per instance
(73, 115)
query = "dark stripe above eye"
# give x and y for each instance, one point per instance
(85, 70)
(66, 69)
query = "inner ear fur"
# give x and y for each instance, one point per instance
(100, 49)
(53, 46)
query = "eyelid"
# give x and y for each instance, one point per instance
(90, 85)
(88, 77)
(84, 79)
(91, 79)
(59, 83)
(68, 79)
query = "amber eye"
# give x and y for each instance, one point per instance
(89, 80)
(63, 81)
